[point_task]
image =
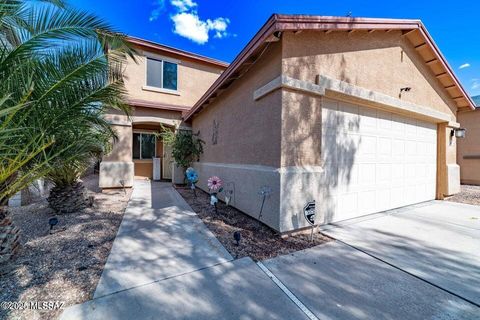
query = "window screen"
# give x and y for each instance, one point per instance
(136, 146)
(148, 146)
(162, 74)
(143, 146)
(154, 73)
(169, 75)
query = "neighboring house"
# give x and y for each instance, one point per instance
(355, 114)
(162, 84)
(469, 148)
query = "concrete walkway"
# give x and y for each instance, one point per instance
(165, 264)
(160, 237)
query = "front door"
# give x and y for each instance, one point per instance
(167, 162)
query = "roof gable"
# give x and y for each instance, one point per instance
(413, 30)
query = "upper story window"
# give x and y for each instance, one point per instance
(161, 74)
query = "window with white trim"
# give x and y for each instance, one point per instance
(144, 145)
(161, 74)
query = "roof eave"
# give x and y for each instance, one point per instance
(305, 22)
(190, 55)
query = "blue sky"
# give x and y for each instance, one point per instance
(220, 29)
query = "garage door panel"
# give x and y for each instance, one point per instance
(383, 199)
(348, 179)
(348, 117)
(366, 148)
(368, 121)
(366, 201)
(348, 204)
(383, 161)
(367, 174)
(330, 114)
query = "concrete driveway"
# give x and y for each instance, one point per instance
(335, 281)
(436, 241)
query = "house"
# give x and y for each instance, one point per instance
(162, 84)
(338, 115)
(469, 148)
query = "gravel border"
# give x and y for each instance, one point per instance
(66, 265)
(258, 241)
(469, 194)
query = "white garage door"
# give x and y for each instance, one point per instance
(375, 160)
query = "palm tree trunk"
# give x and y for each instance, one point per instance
(68, 199)
(9, 239)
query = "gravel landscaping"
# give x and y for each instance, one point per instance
(66, 265)
(470, 195)
(258, 241)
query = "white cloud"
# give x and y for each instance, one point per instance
(190, 26)
(187, 22)
(183, 5)
(465, 65)
(475, 83)
(219, 26)
(159, 5)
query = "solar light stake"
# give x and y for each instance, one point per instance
(52, 222)
(237, 236)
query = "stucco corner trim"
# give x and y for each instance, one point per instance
(289, 83)
(453, 124)
(301, 169)
(335, 88)
(120, 123)
(159, 120)
(376, 98)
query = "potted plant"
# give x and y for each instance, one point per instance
(186, 148)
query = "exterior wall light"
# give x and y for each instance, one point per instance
(458, 133)
(402, 90)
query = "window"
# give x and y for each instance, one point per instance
(161, 74)
(144, 145)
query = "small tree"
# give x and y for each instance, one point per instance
(186, 146)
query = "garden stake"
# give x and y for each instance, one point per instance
(261, 208)
(265, 192)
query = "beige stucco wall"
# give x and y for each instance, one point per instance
(247, 153)
(122, 146)
(469, 147)
(282, 130)
(379, 61)
(301, 129)
(122, 124)
(248, 130)
(118, 164)
(194, 78)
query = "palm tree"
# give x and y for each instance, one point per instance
(60, 70)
